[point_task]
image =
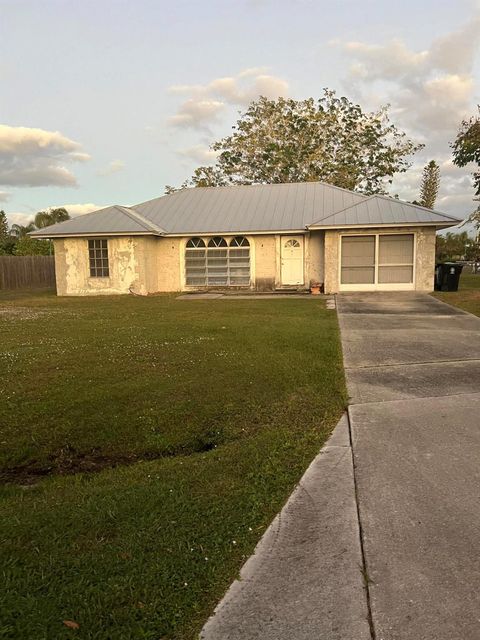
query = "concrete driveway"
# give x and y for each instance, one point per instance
(413, 374)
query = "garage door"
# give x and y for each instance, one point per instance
(377, 262)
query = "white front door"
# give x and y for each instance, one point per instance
(291, 257)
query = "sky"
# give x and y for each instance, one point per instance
(106, 102)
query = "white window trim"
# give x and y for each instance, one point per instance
(206, 238)
(378, 286)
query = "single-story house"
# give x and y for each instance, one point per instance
(261, 237)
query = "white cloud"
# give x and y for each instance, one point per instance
(35, 157)
(206, 102)
(79, 209)
(196, 113)
(430, 92)
(4, 196)
(113, 167)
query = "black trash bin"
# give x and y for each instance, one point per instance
(447, 276)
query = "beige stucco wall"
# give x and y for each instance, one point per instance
(264, 255)
(314, 258)
(132, 264)
(148, 264)
(424, 255)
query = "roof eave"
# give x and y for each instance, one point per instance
(444, 224)
(93, 234)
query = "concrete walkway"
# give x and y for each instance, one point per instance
(305, 578)
(393, 500)
(413, 373)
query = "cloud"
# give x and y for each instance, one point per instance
(36, 157)
(79, 209)
(196, 113)
(200, 154)
(113, 167)
(206, 102)
(430, 91)
(4, 196)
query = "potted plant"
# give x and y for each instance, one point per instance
(315, 288)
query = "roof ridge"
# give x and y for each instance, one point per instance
(138, 217)
(350, 206)
(258, 184)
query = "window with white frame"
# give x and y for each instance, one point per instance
(98, 257)
(377, 259)
(217, 262)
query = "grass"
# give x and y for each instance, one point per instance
(468, 295)
(198, 418)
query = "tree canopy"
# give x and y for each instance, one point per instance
(456, 246)
(466, 149)
(330, 139)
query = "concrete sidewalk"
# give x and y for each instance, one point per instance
(413, 374)
(305, 578)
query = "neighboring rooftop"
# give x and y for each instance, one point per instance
(250, 208)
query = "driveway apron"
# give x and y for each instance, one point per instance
(413, 374)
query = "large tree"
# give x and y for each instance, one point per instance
(331, 139)
(430, 185)
(466, 149)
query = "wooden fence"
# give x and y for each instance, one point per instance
(27, 272)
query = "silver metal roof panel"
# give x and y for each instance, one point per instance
(262, 208)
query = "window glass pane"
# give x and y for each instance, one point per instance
(395, 249)
(400, 275)
(98, 257)
(358, 260)
(358, 275)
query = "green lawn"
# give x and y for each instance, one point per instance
(468, 295)
(146, 445)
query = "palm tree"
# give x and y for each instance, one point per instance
(20, 230)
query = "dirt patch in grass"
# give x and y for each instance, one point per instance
(68, 462)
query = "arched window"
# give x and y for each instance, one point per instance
(239, 241)
(217, 242)
(292, 244)
(195, 243)
(217, 263)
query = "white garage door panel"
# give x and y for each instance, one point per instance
(377, 262)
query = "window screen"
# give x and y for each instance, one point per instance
(98, 256)
(395, 259)
(358, 260)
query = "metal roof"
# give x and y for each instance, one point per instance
(380, 210)
(262, 208)
(114, 219)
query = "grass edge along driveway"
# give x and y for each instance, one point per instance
(145, 550)
(468, 295)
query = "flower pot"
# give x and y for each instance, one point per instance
(315, 290)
